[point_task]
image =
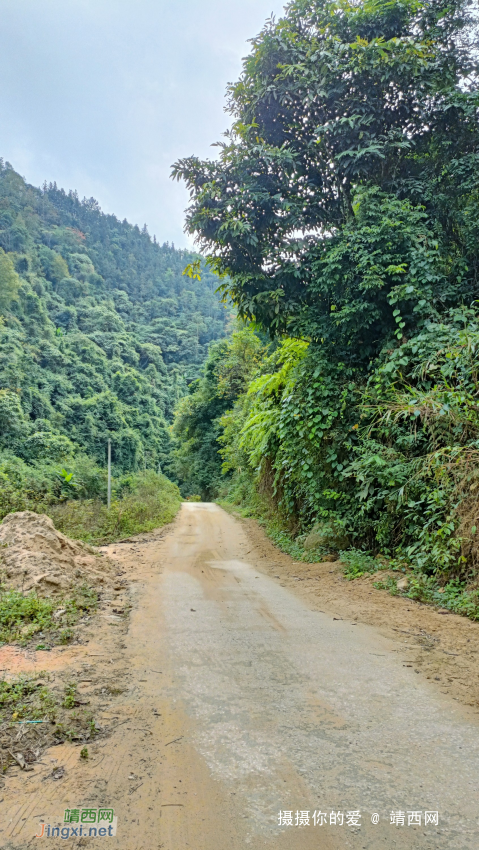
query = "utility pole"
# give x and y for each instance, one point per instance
(109, 474)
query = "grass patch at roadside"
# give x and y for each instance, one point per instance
(355, 562)
(142, 503)
(26, 698)
(358, 563)
(288, 544)
(24, 616)
(454, 596)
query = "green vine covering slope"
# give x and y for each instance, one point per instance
(100, 334)
(344, 209)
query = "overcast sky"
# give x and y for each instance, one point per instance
(104, 95)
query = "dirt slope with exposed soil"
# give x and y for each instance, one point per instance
(35, 556)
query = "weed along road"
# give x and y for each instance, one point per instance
(243, 702)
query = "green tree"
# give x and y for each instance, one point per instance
(351, 121)
(13, 423)
(9, 281)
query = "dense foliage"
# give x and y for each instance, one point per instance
(198, 422)
(344, 207)
(100, 334)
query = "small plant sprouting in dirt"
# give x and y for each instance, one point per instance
(70, 696)
(84, 753)
(93, 729)
(65, 636)
(26, 697)
(357, 563)
(31, 698)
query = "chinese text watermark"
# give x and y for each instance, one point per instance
(353, 818)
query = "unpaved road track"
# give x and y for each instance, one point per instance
(243, 701)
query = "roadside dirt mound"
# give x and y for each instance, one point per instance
(34, 555)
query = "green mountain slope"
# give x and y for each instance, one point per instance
(100, 334)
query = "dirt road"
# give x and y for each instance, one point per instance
(240, 700)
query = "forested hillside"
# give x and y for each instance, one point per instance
(344, 208)
(100, 333)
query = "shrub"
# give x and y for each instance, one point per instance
(150, 501)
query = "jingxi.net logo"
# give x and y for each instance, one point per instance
(81, 823)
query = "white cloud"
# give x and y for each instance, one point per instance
(104, 95)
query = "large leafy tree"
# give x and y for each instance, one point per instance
(343, 201)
